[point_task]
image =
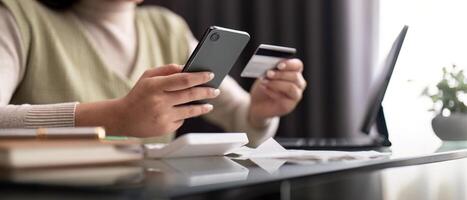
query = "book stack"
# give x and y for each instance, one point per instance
(55, 147)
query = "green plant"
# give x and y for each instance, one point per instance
(450, 94)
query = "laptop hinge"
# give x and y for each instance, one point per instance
(382, 128)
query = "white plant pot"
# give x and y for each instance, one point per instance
(452, 128)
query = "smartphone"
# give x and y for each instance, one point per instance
(217, 52)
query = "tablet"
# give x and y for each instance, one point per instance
(197, 144)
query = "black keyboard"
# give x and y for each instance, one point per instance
(329, 143)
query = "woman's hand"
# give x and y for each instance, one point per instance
(155, 105)
(278, 93)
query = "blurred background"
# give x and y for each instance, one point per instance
(341, 43)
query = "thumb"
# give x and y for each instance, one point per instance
(162, 71)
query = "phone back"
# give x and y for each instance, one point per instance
(217, 52)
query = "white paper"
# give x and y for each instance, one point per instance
(271, 149)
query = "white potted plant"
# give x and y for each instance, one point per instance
(449, 99)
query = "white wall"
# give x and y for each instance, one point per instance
(437, 37)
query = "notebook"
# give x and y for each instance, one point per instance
(53, 153)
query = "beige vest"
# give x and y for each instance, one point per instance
(62, 65)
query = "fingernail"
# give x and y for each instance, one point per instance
(281, 66)
(270, 73)
(216, 92)
(211, 76)
(208, 107)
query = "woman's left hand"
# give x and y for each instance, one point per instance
(278, 93)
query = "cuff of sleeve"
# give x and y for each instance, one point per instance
(53, 115)
(256, 136)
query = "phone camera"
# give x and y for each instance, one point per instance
(215, 36)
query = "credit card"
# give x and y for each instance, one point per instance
(265, 58)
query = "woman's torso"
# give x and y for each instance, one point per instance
(68, 56)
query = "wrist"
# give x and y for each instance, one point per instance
(107, 114)
(257, 121)
(116, 117)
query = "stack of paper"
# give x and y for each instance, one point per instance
(26, 148)
(270, 156)
(271, 149)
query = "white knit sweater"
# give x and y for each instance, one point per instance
(113, 35)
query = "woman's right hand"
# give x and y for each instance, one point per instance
(155, 106)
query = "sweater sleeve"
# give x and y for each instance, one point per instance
(231, 113)
(231, 110)
(12, 70)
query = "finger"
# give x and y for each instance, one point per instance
(162, 71)
(192, 94)
(286, 88)
(181, 81)
(178, 124)
(294, 77)
(271, 94)
(291, 65)
(279, 97)
(189, 111)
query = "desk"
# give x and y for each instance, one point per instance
(439, 175)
